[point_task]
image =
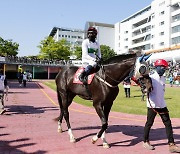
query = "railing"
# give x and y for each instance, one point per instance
(37, 62)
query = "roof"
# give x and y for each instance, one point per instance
(54, 30)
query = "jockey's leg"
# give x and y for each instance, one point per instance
(87, 71)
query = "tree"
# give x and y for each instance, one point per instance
(51, 49)
(7, 47)
(78, 52)
(107, 52)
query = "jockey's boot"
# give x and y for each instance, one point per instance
(83, 77)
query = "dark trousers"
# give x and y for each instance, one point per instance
(127, 92)
(165, 119)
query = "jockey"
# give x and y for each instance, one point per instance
(156, 104)
(91, 53)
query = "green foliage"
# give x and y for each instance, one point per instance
(51, 49)
(107, 52)
(134, 105)
(7, 47)
(78, 52)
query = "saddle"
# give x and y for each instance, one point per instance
(78, 73)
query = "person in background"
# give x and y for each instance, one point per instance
(91, 53)
(24, 79)
(20, 78)
(171, 80)
(157, 105)
(3, 87)
(127, 85)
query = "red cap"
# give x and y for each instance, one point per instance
(161, 62)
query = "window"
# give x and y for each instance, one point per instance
(125, 32)
(161, 33)
(176, 40)
(161, 13)
(176, 29)
(161, 43)
(176, 18)
(161, 23)
(126, 39)
(162, 3)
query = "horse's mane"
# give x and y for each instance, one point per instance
(119, 58)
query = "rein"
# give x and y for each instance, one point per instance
(104, 80)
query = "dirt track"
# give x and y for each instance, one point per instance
(28, 127)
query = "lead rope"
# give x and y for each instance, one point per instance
(153, 108)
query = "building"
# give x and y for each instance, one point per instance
(155, 27)
(106, 33)
(73, 36)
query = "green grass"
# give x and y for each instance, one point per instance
(134, 105)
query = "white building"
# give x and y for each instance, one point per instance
(106, 33)
(73, 36)
(156, 27)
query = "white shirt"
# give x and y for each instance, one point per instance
(89, 51)
(24, 77)
(2, 78)
(156, 97)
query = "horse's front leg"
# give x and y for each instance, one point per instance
(66, 117)
(101, 133)
(60, 121)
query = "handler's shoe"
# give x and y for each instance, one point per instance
(2, 111)
(148, 146)
(173, 148)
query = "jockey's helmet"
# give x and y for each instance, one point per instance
(92, 30)
(161, 62)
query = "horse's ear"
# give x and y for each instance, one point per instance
(141, 58)
(146, 57)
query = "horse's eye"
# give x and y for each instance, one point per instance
(142, 69)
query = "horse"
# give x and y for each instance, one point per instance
(102, 91)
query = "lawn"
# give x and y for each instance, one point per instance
(134, 105)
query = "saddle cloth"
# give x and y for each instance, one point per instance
(78, 72)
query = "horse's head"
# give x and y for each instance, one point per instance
(141, 73)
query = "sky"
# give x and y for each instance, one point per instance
(27, 22)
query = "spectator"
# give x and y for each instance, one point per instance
(127, 85)
(171, 80)
(3, 86)
(24, 79)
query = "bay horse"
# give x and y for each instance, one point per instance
(103, 89)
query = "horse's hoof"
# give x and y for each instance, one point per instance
(73, 140)
(94, 139)
(93, 142)
(60, 130)
(106, 145)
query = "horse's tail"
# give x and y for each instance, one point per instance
(56, 119)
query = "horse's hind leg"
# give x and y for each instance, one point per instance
(60, 130)
(66, 101)
(61, 113)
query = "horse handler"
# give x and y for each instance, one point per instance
(156, 104)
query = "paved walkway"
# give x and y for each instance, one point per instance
(28, 127)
